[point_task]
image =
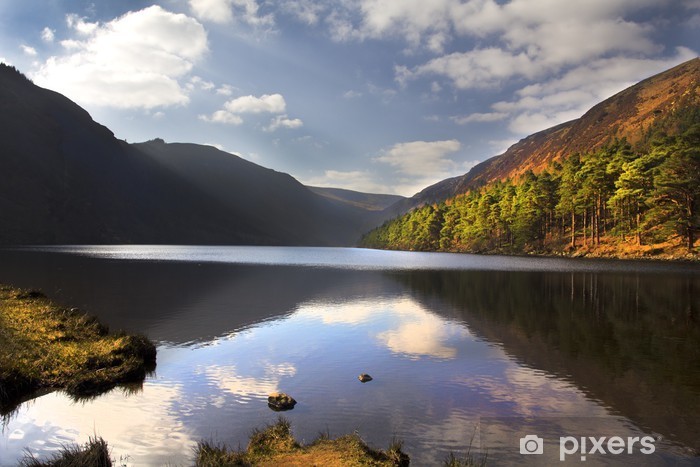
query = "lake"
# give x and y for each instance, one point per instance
(464, 350)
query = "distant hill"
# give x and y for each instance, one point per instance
(368, 201)
(66, 179)
(629, 114)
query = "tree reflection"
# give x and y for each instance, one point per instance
(631, 341)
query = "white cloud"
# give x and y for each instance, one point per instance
(435, 23)
(516, 39)
(27, 50)
(47, 35)
(479, 68)
(196, 82)
(222, 116)
(420, 158)
(226, 11)
(249, 12)
(268, 103)
(408, 18)
(133, 61)
(480, 118)
(225, 90)
(306, 11)
(217, 11)
(420, 163)
(79, 25)
(282, 121)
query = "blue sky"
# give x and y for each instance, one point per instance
(372, 95)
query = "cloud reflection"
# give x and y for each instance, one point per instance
(421, 333)
(143, 426)
(245, 388)
(402, 325)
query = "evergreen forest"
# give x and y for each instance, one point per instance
(619, 196)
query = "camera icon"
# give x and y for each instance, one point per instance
(531, 444)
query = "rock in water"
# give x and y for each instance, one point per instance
(279, 401)
(364, 377)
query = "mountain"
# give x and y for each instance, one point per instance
(368, 201)
(622, 180)
(66, 179)
(629, 114)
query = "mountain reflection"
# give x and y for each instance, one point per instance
(631, 341)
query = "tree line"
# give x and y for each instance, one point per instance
(643, 195)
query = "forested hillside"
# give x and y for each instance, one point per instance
(617, 200)
(629, 114)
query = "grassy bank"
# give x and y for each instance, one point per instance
(275, 445)
(43, 345)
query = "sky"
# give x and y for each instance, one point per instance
(384, 96)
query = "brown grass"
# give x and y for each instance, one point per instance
(43, 345)
(275, 446)
(614, 247)
(94, 453)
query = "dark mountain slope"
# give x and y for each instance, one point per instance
(273, 202)
(629, 114)
(66, 179)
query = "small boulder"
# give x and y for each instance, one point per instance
(279, 401)
(364, 378)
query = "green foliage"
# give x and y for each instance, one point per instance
(649, 194)
(676, 193)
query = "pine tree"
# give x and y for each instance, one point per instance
(676, 191)
(568, 189)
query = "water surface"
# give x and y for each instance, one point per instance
(463, 349)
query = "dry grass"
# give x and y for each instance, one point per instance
(275, 445)
(614, 247)
(94, 454)
(43, 345)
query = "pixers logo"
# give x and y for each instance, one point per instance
(585, 445)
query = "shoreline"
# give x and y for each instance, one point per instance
(606, 251)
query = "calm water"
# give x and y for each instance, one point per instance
(463, 349)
